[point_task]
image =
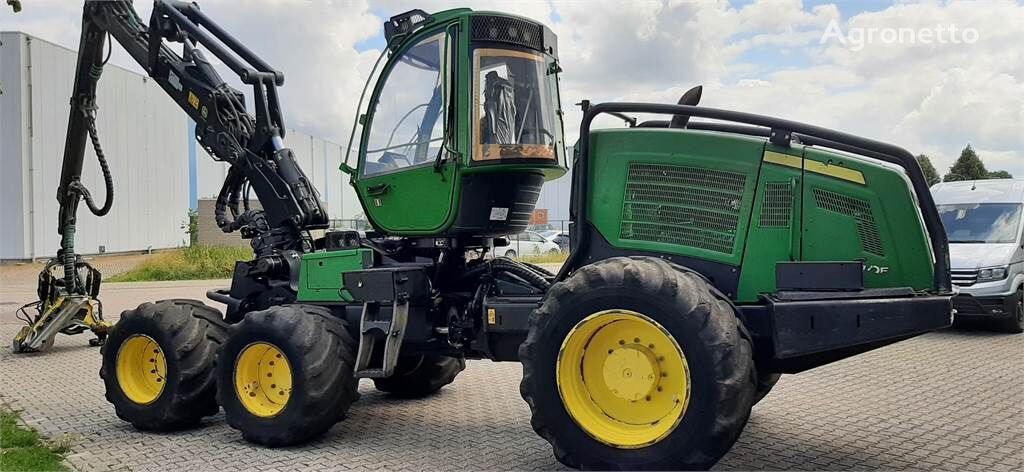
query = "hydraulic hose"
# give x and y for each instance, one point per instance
(108, 180)
(528, 274)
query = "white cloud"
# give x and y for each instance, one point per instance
(764, 57)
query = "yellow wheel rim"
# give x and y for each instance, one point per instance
(623, 379)
(141, 369)
(263, 379)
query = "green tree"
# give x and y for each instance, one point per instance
(1000, 174)
(967, 167)
(930, 174)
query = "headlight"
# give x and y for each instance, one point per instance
(994, 273)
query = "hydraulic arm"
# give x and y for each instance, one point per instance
(250, 143)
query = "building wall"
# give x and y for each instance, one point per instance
(146, 138)
(143, 134)
(14, 178)
(210, 234)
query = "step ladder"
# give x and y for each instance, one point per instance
(378, 325)
(389, 295)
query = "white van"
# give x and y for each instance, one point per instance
(984, 225)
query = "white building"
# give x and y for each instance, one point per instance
(159, 172)
(148, 141)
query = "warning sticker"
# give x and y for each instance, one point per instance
(193, 100)
(499, 214)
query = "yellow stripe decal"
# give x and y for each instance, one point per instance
(796, 162)
(783, 159)
(838, 172)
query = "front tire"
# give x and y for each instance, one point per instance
(158, 364)
(285, 374)
(420, 376)
(666, 376)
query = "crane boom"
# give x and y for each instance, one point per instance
(250, 143)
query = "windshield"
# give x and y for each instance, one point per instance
(514, 109)
(407, 128)
(981, 222)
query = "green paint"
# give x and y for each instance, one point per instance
(770, 242)
(420, 200)
(615, 149)
(827, 235)
(320, 273)
(825, 218)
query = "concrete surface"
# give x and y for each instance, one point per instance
(950, 400)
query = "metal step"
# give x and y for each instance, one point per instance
(376, 325)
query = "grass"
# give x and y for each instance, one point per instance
(549, 258)
(218, 262)
(22, 448)
(191, 263)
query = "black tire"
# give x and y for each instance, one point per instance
(1015, 322)
(189, 333)
(321, 354)
(511, 254)
(700, 319)
(419, 376)
(765, 383)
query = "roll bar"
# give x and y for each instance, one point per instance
(778, 131)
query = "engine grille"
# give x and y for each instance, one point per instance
(687, 206)
(776, 205)
(859, 210)
(964, 278)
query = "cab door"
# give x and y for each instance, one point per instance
(399, 185)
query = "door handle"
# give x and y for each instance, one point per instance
(379, 189)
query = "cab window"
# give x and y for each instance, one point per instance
(407, 126)
(514, 109)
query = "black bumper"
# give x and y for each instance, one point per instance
(802, 330)
(969, 306)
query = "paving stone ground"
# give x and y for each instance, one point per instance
(950, 400)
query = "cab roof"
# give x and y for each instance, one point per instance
(979, 191)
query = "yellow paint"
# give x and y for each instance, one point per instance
(835, 171)
(263, 379)
(783, 159)
(492, 316)
(141, 369)
(193, 100)
(623, 379)
(796, 162)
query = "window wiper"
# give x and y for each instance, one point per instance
(969, 241)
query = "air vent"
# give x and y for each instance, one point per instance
(859, 210)
(687, 206)
(507, 30)
(776, 205)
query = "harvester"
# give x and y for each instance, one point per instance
(713, 250)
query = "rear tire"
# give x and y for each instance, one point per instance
(420, 376)
(1015, 322)
(317, 384)
(511, 254)
(765, 384)
(721, 379)
(182, 389)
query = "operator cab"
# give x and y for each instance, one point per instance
(462, 126)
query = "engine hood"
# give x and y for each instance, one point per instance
(974, 256)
